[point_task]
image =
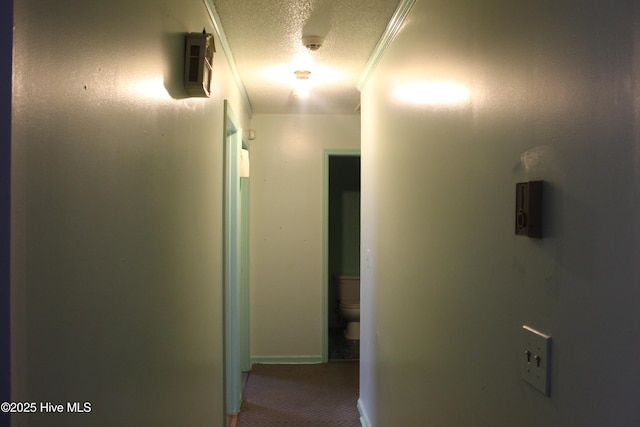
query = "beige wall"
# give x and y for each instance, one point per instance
(286, 229)
(116, 215)
(446, 284)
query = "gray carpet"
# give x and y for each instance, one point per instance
(320, 395)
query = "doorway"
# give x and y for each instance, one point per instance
(341, 245)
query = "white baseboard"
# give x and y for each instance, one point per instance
(364, 418)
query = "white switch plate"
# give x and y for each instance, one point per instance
(535, 356)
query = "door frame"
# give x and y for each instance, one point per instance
(327, 153)
(244, 337)
(233, 277)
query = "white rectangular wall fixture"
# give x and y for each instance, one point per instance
(244, 163)
(535, 359)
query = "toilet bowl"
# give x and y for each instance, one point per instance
(349, 305)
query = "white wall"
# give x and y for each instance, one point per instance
(446, 284)
(286, 229)
(117, 220)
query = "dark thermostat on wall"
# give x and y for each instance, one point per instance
(199, 50)
(528, 221)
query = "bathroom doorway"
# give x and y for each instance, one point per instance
(341, 245)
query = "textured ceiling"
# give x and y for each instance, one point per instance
(265, 38)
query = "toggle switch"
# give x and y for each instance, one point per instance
(535, 365)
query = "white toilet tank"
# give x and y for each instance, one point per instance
(348, 288)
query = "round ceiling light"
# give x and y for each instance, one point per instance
(301, 86)
(302, 74)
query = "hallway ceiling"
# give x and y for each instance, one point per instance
(265, 38)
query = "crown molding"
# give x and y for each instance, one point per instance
(400, 14)
(217, 24)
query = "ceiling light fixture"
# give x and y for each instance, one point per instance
(301, 87)
(302, 74)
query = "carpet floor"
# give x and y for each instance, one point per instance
(340, 348)
(319, 395)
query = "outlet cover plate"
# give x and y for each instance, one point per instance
(535, 359)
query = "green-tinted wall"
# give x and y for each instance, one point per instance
(553, 94)
(116, 216)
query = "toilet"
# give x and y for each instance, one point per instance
(349, 305)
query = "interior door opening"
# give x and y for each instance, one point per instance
(342, 255)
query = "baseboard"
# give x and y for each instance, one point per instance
(286, 360)
(364, 418)
(232, 420)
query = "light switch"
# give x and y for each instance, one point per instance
(535, 359)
